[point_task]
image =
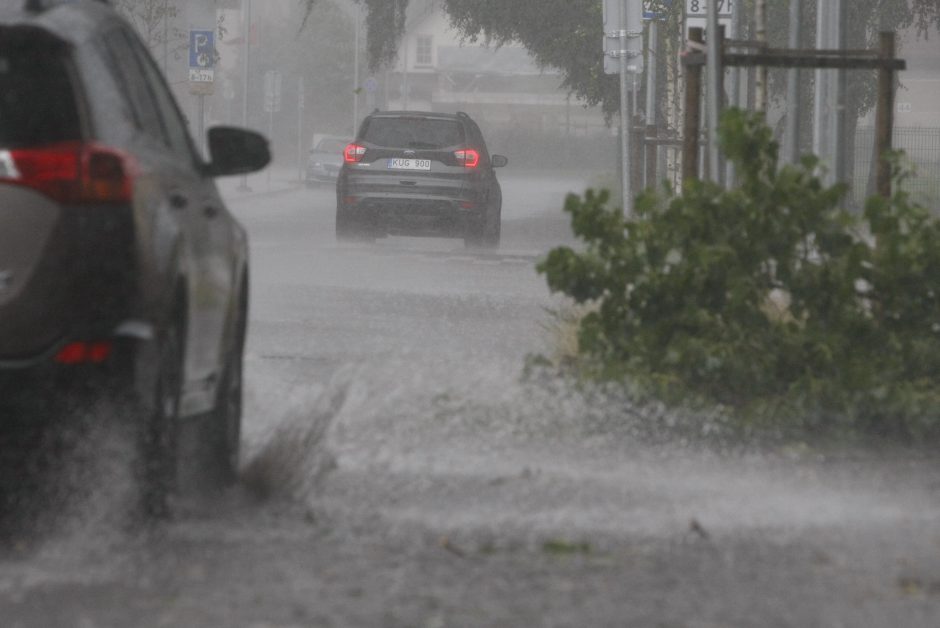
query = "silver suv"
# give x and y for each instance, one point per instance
(123, 277)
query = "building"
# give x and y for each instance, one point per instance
(437, 70)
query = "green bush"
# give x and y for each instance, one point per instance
(767, 299)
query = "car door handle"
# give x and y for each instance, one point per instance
(408, 182)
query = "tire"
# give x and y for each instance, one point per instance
(159, 436)
(486, 234)
(350, 231)
(223, 431)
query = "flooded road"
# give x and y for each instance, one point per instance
(401, 471)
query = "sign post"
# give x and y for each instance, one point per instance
(201, 75)
(272, 102)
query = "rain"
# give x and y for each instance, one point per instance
(455, 412)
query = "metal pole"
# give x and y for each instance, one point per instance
(300, 128)
(838, 96)
(651, 85)
(625, 122)
(201, 123)
(735, 88)
(792, 147)
(820, 145)
(713, 91)
(166, 53)
(246, 33)
(356, 72)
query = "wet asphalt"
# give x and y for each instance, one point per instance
(401, 469)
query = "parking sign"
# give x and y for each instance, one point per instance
(201, 56)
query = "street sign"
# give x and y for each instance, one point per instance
(272, 91)
(623, 15)
(699, 8)
(696, 14)
(201, 62)
(201, 56)
(655, 9)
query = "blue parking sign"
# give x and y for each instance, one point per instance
(201, 49)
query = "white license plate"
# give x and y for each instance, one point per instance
(409, 164)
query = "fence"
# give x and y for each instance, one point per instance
(921, 146)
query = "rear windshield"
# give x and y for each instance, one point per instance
(427, 133)
(332, 146)
(37, 101)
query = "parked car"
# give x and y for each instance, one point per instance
(325, 160)
(123, 276)
(419, 173)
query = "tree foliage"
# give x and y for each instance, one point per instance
(767, 298)
(567, 34)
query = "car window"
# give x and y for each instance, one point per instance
(37, 99)
(427, 133)
(124, 67)
(331, 146)
(177, 135)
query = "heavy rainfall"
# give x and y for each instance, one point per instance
(442, 342)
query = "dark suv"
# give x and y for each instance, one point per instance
(418, 173)
(123, 277)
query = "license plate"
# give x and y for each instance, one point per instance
(409, 164)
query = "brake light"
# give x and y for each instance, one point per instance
(84, 353)
(71, 173)
(468, 158)
(354, 153)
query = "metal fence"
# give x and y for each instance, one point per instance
(921, 146)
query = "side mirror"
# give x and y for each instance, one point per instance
(236, 151)
(499, 161)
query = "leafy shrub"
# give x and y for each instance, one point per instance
(768, 298)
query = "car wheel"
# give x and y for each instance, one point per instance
(158, 439)
(348, 230)
(492, 229)
(486, 233)
(224, 429)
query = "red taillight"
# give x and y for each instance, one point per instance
(71, 173)
(84, 353)
(354, 153)
(468, 158)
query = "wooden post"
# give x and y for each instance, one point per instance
(884, 116)
(693, 122)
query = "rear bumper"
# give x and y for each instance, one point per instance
(412, 216)
(40, 380)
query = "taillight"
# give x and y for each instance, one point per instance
(84, 353)
(71, 173)
(468, 158)
(354, 153)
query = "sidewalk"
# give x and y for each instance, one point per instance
(272, 180)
